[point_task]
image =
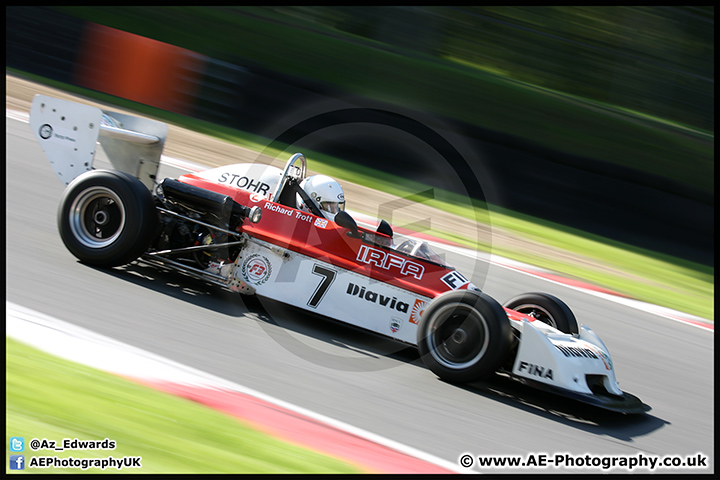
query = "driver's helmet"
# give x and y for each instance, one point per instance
(327, 193)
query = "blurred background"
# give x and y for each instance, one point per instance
(598, 118)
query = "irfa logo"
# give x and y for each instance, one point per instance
(387, 261)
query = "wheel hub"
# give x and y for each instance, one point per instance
(97, 217)
(459, 336)
(101, 217)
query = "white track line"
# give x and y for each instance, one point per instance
(84, 346)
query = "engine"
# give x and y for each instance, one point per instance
(195, 225)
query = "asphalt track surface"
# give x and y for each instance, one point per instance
(354, 376)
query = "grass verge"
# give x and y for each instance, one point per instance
(51, 398)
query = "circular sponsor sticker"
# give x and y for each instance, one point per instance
(46, 131)
(256, 269)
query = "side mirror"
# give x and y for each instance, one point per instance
(344, 219)
(385, 228)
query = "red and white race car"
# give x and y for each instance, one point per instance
(240, 226)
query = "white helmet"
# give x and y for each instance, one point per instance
(327, 193)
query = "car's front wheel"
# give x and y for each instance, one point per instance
(546, 308)
(107, 218)
(464, 336)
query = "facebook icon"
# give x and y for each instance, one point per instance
(17, 462)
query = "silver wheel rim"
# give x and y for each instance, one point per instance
(97, 217)
(458, 336)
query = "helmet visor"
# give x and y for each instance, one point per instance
(332, 207)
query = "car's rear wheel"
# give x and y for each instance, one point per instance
(547, 309)
(107, 218)
(464, 336)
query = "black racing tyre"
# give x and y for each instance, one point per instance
(107, 218)
(464, 336)
(546, 308)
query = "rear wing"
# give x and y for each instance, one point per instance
(69, 133)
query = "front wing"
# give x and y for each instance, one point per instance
(575, 366)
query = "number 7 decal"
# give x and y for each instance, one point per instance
(328, 278)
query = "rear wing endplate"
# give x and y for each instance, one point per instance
(69, 132)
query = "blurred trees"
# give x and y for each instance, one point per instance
(654, 60)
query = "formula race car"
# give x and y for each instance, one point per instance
(253, 229)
